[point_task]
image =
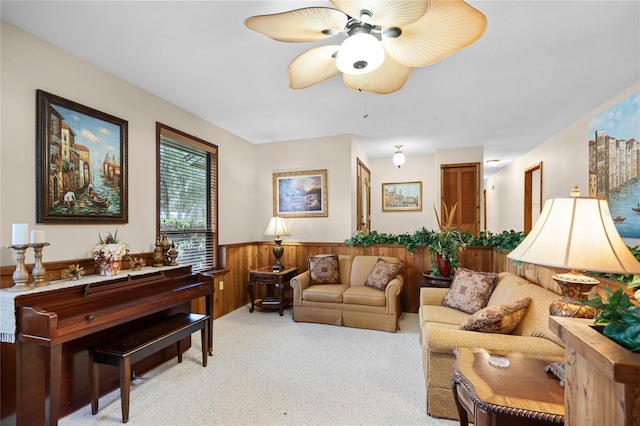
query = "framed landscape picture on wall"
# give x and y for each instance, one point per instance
(300, 194)
(402, 196)
(81, 163)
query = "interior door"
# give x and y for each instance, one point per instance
(460, 184)
(363, 209)
(532, 195)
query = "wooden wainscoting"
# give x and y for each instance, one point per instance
(239, 259)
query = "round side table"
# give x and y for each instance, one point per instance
(435, 281)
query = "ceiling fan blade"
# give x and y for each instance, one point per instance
(299, 25)
(388, 78)
(312, 67)
(385, 12)
(448, 26)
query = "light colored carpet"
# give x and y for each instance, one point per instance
(270, 370)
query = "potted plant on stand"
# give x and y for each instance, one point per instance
(446, 243)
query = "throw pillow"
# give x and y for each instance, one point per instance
(324, 269)
(382, 273)
(470, 290)
(501, 319)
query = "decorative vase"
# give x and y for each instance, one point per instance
(444, 266)
(109, 268)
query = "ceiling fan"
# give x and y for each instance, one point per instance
(385, 40)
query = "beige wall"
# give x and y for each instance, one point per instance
(416, 168)
(565, 163)
(29, 64)
(332, 154)
(245, 186)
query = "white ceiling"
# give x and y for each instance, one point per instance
(540, 66)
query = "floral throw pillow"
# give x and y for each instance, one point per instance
(382, 273)
(501, 319)
(470, 290)
(324, 269)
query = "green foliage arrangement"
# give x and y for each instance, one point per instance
(505, 240)
(621, 316)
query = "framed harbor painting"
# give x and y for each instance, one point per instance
(300, 194)
(614, 162)
(401, 197)
(81, 163)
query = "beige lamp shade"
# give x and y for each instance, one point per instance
(577, 233)
(276, 227)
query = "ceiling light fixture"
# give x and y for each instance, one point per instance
(398, 157)
(359, 54)
(402, 35)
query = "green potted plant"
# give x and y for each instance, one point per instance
(621, 316)
(446, 243)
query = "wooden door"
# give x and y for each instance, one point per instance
(532, 195)
(363, 209)
(460, 183)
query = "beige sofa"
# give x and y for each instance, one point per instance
(440, 334)
(349, 303)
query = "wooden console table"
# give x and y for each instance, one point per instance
(44, 373)
(520, 395)
(271, 279)
(602, 379)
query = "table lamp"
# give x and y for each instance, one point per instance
(276, 228)
(576, 233)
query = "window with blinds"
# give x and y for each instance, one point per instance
(187, 193)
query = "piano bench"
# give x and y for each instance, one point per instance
(125, 350)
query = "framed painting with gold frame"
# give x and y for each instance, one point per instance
(81, 163)
(300, 194)
(402, 196)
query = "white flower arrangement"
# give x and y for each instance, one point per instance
(108, 253)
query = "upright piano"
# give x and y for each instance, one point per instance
(45, 373)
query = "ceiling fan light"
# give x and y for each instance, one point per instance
(359, 54)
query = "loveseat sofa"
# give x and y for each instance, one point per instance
(440, 332)
(363, 292)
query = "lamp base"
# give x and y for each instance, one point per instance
(571, 308)
(278, 251)
(573, 285)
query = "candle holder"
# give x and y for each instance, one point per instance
(39, 272)
(20, 275)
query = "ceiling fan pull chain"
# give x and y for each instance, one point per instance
(364, 103)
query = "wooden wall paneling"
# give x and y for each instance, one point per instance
(239, 259)
(477, 258)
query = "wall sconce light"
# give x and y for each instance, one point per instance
(398, 157)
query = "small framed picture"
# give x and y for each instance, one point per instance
(81, 163)
(401, 196)
(300, 194)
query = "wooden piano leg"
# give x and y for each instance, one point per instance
(53, 356)
(204, 338)
(94, 383)
(209, 303)
(125, 386)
